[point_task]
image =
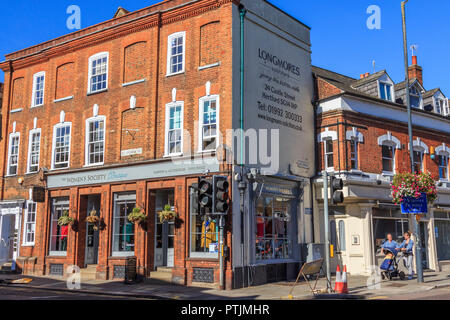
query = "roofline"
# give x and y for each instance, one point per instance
(339, 74)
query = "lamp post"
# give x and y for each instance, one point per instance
(418, 251)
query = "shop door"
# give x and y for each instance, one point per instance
(92, 231)
(164, 232)
(6, 238)
(424, 243)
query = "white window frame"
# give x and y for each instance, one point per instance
(446, 155)
(87, 142)
(25, 243)
(388, 143)
(169, 53)
(355, 152)
(422, 153)
(30, 141)
(202, 100)
(418, 95)
(166, 134)
(437, 104)
(55, 127)
(33, 96)
(325, 153)
(11, 136)
(391, 86)
(91, 59)
(446, 108)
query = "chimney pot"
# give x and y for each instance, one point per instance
(367, 74)
(362, 76)
(414, 60)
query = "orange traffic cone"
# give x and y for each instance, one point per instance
(344, 280)
(338, 286)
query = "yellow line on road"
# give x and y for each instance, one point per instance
(378, 298)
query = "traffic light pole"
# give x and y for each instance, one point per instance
(221, 241)
(326, 225)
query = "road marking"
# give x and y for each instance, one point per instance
(378, 298)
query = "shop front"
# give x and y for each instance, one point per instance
(101, 237)
(10, 218)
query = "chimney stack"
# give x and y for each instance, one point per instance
(415, 71)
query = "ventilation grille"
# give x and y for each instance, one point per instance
(56, 269)
(203, 275)
(119, 272)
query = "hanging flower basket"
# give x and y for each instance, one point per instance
(168, 214)
(65, 220)
(408, 185)
(93, 218)
(137, 216)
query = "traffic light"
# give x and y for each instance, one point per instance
(205, 197)
(221, 195)
(194, 198)
(337, 196)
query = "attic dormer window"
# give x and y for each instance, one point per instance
(385, 91)
(439, 105)
(414, 97)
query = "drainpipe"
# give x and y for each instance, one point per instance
(242, 184)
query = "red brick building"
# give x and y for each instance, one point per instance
(362, 136)
(95, 118)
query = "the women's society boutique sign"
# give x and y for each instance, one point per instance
(129, 173)
(279, 86)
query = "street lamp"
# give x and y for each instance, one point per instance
(418, 251)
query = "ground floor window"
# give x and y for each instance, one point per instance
(123, 230)
(204, 232)
(30, 223)
(58, 234)
(273, 215)
(383, 226)
(442, 233)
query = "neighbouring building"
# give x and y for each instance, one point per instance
(129, 113)
(362, 137)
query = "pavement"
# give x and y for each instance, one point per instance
(360, 287)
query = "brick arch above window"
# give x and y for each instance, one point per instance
(354, 134)
(418, 144)
(327, 134)
(442, 149)
(135, 62)
(389, 139)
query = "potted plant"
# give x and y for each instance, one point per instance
(168, 214)
(137, 216)
(65, 220)
(93, 218)
(408, 185)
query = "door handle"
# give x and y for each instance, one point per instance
(3, 240)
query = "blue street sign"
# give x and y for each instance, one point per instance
(412, 205)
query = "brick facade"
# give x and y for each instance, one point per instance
(137, 47)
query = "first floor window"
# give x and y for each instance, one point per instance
(443, 167)
(204, 233)
(13, 156)
(354, 154)
(95, 141)
(58, 234)
(388, 153)
(273, 215)
(328, 148)
(30, 223)
(61, 146)
(174, 129)
(418, 159)
(208, 118)
(34, 151)
(123, 229)
(98, 72)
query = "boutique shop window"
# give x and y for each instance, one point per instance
(272, 228)
(123, 229)
(204, 233)
(58, 234)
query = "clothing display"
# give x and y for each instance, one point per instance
(209, 234)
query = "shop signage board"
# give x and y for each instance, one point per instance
(411, 205)
(130, 173)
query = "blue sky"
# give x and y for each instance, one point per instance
(341, 40)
